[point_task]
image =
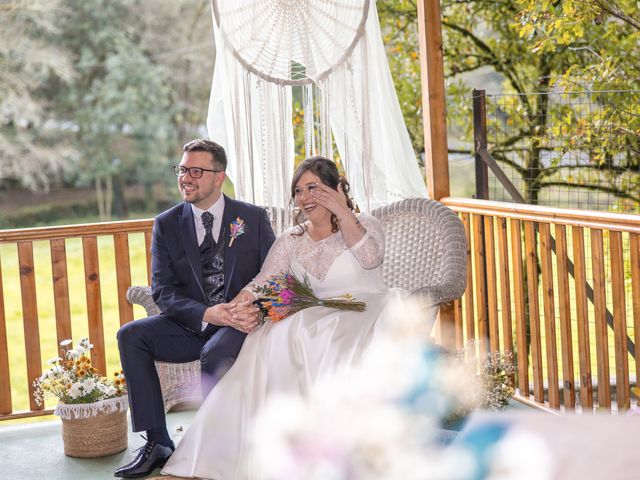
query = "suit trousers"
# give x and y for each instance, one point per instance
(161, 338)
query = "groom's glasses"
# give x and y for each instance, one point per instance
(194, 172)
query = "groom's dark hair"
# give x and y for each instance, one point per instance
(218, 155)
(328, 173)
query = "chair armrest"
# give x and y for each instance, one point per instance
(438, 294)
(139, 295)
(425, 297)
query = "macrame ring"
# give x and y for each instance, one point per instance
(283, 81)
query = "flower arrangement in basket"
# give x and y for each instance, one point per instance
(92, 408)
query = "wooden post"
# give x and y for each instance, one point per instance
(480, 143)
(434, 121)
(433, 99)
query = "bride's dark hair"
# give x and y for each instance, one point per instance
(328, 173)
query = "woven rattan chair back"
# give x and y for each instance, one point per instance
(425, 249)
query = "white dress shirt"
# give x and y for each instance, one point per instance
(217, 209)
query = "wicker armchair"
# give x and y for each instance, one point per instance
(180, 382)
(425, 253)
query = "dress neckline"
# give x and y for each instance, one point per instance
(306, 231)
(322, 239)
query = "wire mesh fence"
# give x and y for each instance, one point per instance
(567, 149)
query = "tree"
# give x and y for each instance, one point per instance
(512, 38)
(31, 152)
(178, 35)
(119, 100)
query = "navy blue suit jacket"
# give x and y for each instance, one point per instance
(177, 281)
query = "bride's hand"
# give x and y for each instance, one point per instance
(245, 316)
(241, 315)
(333, 200)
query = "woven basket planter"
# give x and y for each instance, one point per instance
(94, 429)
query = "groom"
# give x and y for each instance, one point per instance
(203, 252)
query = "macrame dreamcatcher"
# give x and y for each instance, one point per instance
(330, 54)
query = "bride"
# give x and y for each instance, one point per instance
(339, 252)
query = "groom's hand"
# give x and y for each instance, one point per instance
(241, 315)
(244, 316)
(219, 314)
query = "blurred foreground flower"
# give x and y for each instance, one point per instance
(380, 420)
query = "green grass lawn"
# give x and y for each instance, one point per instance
(46, 309)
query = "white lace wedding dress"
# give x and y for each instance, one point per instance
(291, 355)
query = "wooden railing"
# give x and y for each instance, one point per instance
(542, 283)
(58, 238)
(560, 289)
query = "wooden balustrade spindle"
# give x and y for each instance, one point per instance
(468, 294)
(505, 287)
(619, 320)
(147, 249)
(534, 310)
(518, 293)
(457, 323)
(564, 307)
(5, 384)
(600, 319)
(94, 302)
(582, 319)
(492, 284)
(480, 283)
(30, 317)
(60, 289)
(549, 314)
(634, 246)
(123, 276)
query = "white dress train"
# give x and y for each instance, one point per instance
(288, 356)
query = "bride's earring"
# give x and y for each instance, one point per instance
(295, 212)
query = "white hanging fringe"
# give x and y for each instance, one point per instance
(334, 52)
(87, 410)
(309, 130)
(366, 126)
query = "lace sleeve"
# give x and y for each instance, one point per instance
(277, 261)
(370, 249)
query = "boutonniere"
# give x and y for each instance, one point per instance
(237, 227)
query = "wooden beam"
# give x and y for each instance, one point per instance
(433, 98)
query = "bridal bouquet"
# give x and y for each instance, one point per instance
(285, 294)
(73, 380)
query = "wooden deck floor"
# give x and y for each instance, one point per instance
(34, 451)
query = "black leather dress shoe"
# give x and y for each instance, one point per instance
(151, 456)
